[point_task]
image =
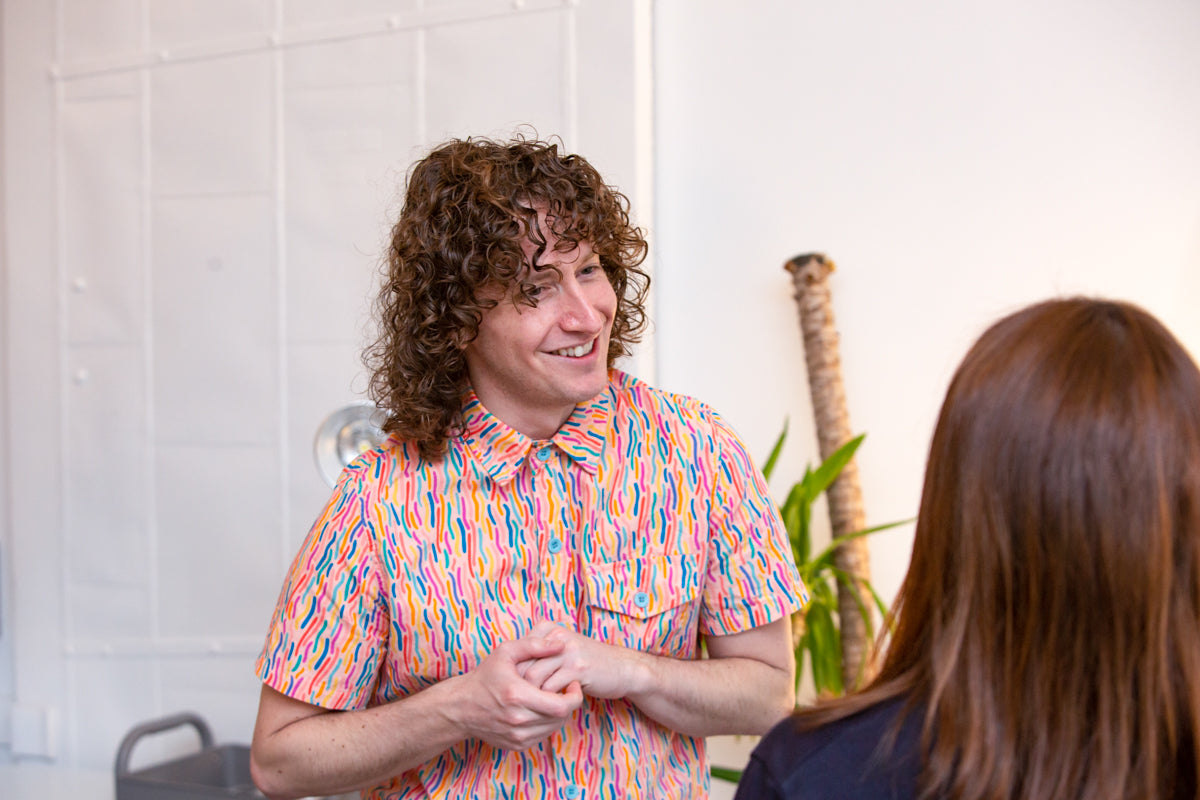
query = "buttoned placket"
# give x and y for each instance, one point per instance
(549, 543)
(554, 559)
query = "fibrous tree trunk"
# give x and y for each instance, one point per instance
(810, 275)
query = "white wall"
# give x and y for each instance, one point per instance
(956, 160)
(6, 680)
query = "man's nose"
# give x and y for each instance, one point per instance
(579, 312)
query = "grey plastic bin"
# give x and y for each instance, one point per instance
(214, 772)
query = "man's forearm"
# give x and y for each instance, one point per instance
(745, 686)
(338, 752)
(712, 696)
(301, 749)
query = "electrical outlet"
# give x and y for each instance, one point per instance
(34, 732)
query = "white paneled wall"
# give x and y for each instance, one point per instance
(6, 661)
(219, 178)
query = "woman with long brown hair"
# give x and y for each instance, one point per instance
(1047, 635)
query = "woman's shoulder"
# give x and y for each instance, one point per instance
(872, 753)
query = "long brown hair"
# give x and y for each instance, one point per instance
(467, 208)
(1049, 624)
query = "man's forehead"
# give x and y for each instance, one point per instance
(551, 255)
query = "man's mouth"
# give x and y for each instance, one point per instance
(575, 352)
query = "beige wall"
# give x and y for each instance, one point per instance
(956, 160)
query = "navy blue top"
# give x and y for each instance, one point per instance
(842, 760)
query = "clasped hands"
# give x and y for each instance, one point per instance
(525, 690)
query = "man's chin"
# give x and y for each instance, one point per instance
(590, 390)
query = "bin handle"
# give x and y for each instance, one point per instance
(157, 726)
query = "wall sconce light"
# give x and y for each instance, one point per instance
(344, 435)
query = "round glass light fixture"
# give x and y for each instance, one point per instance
(344, 435)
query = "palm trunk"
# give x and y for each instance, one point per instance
(810, 275)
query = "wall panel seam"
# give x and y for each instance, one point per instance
(245, 44)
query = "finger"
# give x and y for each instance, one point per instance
(553, 705)
(558, 682)
(533, 674)
(543, 628)
(561, 633)
(524, 667)
(536, 672)
(574, 694)
(530, 647)
(529, 736)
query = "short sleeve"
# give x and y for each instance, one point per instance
(751, 576)
(329, 630)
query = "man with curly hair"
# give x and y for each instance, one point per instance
(508, 598)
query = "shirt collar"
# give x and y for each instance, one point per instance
(583, 435)
(501, 450)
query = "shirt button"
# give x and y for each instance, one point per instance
(544, 453)
(572, 792)
(555, 545)
(641, 599)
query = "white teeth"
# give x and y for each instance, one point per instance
(576, 352)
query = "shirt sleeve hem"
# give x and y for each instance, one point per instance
(298, 691)
(741, 614)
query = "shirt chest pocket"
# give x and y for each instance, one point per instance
(648, 603)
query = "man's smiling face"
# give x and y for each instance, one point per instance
(530, 366)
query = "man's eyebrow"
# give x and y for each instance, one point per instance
(544, 274)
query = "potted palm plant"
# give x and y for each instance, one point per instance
(816, 631)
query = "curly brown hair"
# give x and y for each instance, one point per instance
(467, 208)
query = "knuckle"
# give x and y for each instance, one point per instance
(512, 717)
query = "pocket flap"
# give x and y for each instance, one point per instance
(643, 587)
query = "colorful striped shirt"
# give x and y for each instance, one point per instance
(642, 523)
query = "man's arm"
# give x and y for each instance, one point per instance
(746, 685)
(301, 749)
